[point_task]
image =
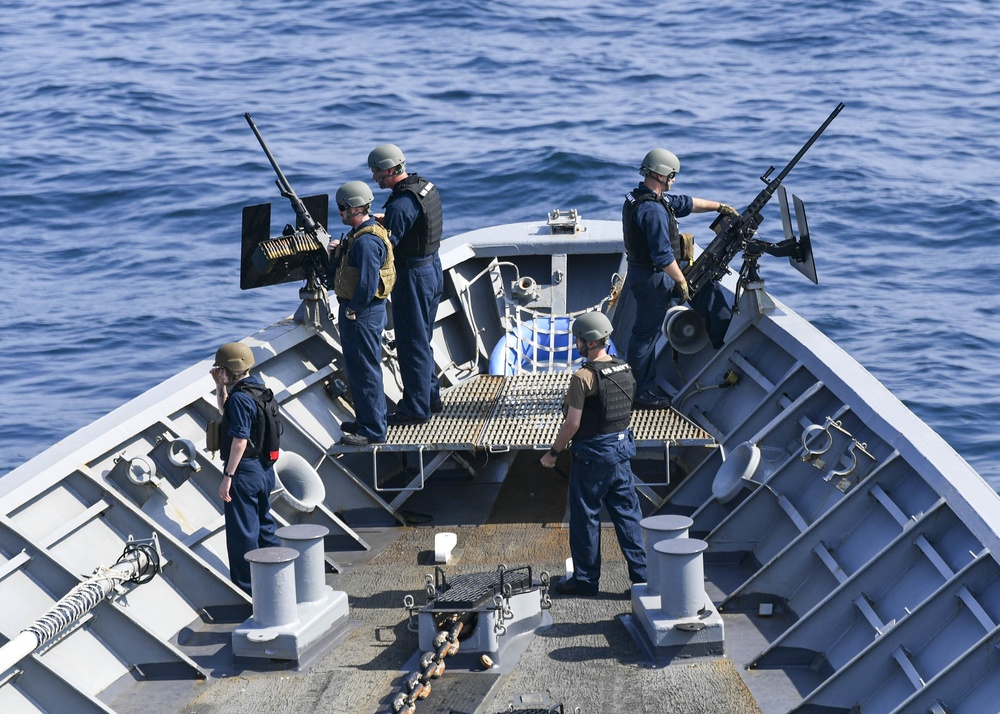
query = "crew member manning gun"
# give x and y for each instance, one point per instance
(733, 235)
(300, 252)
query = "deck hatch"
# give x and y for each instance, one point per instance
(471, 591)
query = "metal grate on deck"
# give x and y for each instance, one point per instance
(470, 591)
(523, 411)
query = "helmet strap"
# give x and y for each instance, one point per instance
(389, 173)
(663, 182)
(589, 346)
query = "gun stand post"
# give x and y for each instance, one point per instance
(750, 282)
(314, 311)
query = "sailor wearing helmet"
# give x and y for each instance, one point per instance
(414, 220)
(656, 259)
(598, 409)
(246, 485)
(364, 279)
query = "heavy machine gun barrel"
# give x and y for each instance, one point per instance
(285, 189)
(300, 252)
(733, 234)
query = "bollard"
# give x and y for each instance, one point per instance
(272, 585)
(682, 576)
(656, 529)
(310, 568)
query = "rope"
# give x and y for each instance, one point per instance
(80, 600)
(139, 563)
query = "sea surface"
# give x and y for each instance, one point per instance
(125, 162)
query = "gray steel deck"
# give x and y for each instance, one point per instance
(877, 557)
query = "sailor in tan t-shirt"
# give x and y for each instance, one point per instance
(598, 409)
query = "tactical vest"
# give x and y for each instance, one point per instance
(424, 235)
(226, 441)
(636, 240)
(349, 276)
(609, 410)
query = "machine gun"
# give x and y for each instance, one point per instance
(300, 252)
(735, 234)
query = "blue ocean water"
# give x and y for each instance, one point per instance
(126, 162)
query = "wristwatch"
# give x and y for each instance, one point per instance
(228, 475)
(553, 452)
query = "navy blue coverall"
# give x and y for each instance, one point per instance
(652, 288)
(362, 336)
(602, 476)
(415, 299)
(249, 524)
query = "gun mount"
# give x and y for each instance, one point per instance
(737, 234)
(300, 252)
(292, 256)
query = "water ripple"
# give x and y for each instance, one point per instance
(127, 163)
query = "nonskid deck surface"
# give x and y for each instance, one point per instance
(523, 411)
(585, 659)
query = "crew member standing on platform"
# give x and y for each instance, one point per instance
(656, 259)
(365, 276)
(413, 218)
(246, 485)
(598, 409)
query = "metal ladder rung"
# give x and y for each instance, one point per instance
(861, 602)
(14, 564)
(205, 532)
(792, 513)
(752, 372)
(828, 560)
(932, 555)
(970, 601)
(904, 662)
(73, 524)
(890, 505)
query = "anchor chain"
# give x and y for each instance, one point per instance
(417, 684)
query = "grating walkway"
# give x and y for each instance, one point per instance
(497, 413)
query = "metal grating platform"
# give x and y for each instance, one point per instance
(470, 591)
(523, 411)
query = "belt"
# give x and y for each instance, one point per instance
(641, 266)
(375, 301)
(415, 261)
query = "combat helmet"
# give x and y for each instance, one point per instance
(592, 326)
(386, 156)
(354, 194)
(234, 356)
(660, 161)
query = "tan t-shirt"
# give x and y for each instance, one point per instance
(582, 384)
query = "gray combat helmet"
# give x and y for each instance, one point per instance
(660, 161)
(234, 356)
(386, 156)
(592, 326)
(354, 194)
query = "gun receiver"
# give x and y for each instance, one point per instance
(732, 235)
(300, 252)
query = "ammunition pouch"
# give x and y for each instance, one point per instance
(686, 251)
(212, 435)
